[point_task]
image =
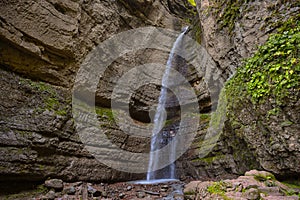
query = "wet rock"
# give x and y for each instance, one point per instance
(129, 188)
(151, 192)
(56, 184)
(121, 195)
(91, 190)
(165, 186)
(178, 197)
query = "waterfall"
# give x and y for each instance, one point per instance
(159, 119)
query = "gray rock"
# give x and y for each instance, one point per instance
(121, 195)
(54, 183)
(91, 190)
(50, 195)
(140, 195)
(252, 194)
(104, 194)
(178, 197)
(129, 188)
(165, 186)
(69, 190)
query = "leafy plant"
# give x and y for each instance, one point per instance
(218, 188)
(192, 2)
(274, 70)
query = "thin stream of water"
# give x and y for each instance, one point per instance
(159, 119)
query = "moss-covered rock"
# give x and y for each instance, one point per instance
(263, 101)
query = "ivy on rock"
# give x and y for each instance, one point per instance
(274, 70)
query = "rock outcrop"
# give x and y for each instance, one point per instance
(253, 185)
(266, 134)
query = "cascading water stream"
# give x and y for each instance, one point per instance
(159, 119)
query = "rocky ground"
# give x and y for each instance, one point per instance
(57, 189)
(254, 185)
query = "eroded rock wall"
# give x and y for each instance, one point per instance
(42, 44)
(255, 135)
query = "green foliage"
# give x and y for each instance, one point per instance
(204, 117)
(192, 2)
(260, 177)
(292, 183)
(189, 193)
(105, 113)
(227, 12)
(273, 111)
(218, 188)
(40, 189)
(290, 192)
(274, 70)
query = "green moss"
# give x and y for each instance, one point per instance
(24, 133)
(219, 115)
(273, 71)
(52, 101)
(196, 32)
(227, 12)
(292, 183)
(204, 117)
(274, 111)
(189, 193)
(170, 122)
(41, 189)
(218, 188)
(41, 167)
(286, 123)
(262, 178)
(210, 160)
(105, 113)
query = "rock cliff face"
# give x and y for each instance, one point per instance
(255, 135)
(46, 41)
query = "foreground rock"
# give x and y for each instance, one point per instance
(252, 186)
(126, 191)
